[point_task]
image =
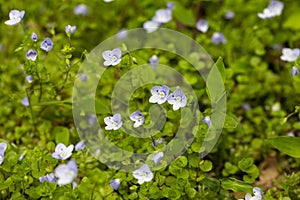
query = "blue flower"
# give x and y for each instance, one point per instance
(207, 121)
(92, 119)
(218, 38)
(177, 99)
(25, 102)
(258, 194)
(79, 146)
(143, 174)
(159, 94)
(202, 25)
(31, 54)
(138, 118)
(70, 30)
(229, 15)
(34, 37)
(157, 142)
(47, 45)
(15, 17)
(162, 16)
(151, 26)
(157, 157)
(290, 55)
(66, 173)
(74, 185)
(114, 122)
(48, 177)
(154, 61)
(29, 79)
(112, 57)
(83, 77)
(22, 156)
(274, 9)
(115, 184)
(81, 9)
(122, 34)
(295, 71)
(62, 152)
(170, 5)
(3, 147)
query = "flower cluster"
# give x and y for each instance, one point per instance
(161, 17)
(64, 173)
(160, 94)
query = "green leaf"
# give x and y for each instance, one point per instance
(215, 82)
(206, 165)
(221, 67)
(235, 185)
(287, 145)
(184, 15)
(231, 121)
(6, 184)
(292, 21)
(61, 135)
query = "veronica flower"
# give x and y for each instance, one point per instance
(81, 9)
(34, 37)
(154, 61)
(202, 25)
(74, 185)
(31, 54)
(92, 119)
(290, 55)
(143, 174)
(3, 147)
(15, 17)
(114, 122)
(138, 118)
(151, 26)
(157, 142)
(207, 121)
(157, 157)
(122, 34)
(112, 57)
(295, 71)
(29, 79)
(66, 173)
(162, 16)
(258, 194)
(170, 5)
(48, 177)
(177, 99)
(274, 9)
(70, 30)
(159, 94)
(25, 102)
(229, 15)
(218, 38)
(47, 45)
(62, 152)
(115, 184)
(79, 146)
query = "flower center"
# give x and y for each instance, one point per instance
(178, 98)
(115, 123)
(114, 58)
(71, 174)
(162, 95)
(62, 154)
